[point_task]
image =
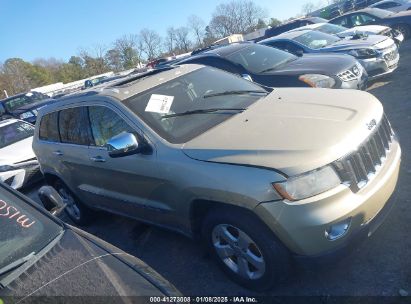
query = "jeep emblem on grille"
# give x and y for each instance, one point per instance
(371, 124)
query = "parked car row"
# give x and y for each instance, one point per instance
(259, 175)
(242, 146)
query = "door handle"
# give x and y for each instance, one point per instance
(58, 153)
(98, 159)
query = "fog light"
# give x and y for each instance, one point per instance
(338, 230)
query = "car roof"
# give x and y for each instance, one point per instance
(124, 88)
(226, 50)
(288, 35)
(8, 121)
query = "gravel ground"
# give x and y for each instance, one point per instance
(381, 266)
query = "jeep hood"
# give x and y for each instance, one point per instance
(291, 130)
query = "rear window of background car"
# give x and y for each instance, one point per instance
(74, 126)
(49, 128)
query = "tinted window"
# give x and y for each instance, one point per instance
(387, 5)
(14, 103)
(316, 40)
(343, 21)
(14, 132)
(188, 94)
(361, 19)
(218, 63)
(106, 124)
(49, 127)
(331, 28)
(74, 126)
(259, 58)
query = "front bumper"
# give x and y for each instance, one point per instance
(24, 174)
(301, 225)
(385, 63)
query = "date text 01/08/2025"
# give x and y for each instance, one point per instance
(205, 299)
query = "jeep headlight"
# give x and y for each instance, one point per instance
(308, 184)
(363, 53)
(317, 80)
(26, 115)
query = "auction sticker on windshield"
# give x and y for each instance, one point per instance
(12, 213)
(159, 104)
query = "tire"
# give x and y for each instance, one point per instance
(244, 247)
(76, 211)
(404, 29)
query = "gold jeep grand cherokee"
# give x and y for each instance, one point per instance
(256, 175)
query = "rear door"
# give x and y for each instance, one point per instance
(123, 185)
(72, 152)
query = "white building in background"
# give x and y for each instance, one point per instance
(230, 39)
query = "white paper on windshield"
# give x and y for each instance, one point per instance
(159, 103)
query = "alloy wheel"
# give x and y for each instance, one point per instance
(71, 205)
(238, 251)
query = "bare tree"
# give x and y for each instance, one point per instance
(236, 17)
(126, 48)
(197, 27)
(183, 42)
(150, 43)
(170, 40)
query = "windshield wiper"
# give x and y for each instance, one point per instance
(16, 263)
(203, 111)
(237, 92)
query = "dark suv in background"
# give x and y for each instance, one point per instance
(24, 106)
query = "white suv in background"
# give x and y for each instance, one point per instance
(18, 163)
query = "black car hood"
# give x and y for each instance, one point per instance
(79, 266)
(35, 105)
(329, 64)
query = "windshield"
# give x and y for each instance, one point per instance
(20, 101)
(379, 13)
(258, 58)
(15, 132)
(329, 28)
(186, 93)
(23, 229)
(316, 39)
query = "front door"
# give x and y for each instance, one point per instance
(123, 185)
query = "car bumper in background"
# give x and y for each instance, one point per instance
(304, 226)
(386, 63)
(24, 174)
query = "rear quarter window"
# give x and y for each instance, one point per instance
(48, 130)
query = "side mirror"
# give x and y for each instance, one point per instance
(247, 77)
(299, 53)
(51, 200)
(122, 145)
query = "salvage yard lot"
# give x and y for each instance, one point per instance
(379, 267)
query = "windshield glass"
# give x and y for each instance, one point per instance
(316, 39)
(15, 132)
(329, 28)
(186, 93)
(23, 229)
(258, 58)
(20, 101)
(380, 13)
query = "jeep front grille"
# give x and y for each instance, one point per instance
(358, 167)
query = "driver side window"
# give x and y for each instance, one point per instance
(106, 124)
(361, 19)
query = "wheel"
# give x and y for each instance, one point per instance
(244, 247)
(76, 211)
(404, 29)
